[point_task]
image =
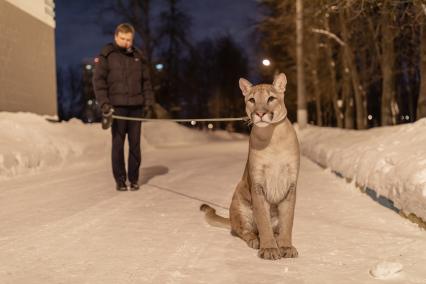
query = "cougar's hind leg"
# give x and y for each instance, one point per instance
(242, 223)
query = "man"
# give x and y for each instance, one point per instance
(122, 85)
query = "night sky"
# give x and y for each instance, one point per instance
(79, 34)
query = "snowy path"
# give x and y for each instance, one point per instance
(70, 226)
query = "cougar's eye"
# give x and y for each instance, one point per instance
(252, 100)
(271, 99)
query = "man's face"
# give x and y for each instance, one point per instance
(124, 40)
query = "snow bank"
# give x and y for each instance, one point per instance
(29, 143)
(389, 160)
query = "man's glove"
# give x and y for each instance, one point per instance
(148, 111)
(107, 112)
(106, 108)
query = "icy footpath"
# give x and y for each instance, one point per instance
(388, 162)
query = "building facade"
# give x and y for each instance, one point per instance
(27, 56)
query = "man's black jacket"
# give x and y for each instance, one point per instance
(121, 77)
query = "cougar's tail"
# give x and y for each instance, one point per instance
(213, 219)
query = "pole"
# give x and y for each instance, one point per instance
(302, 114)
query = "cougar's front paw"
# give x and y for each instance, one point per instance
(269, 253)
(254, 243)
(288, 252)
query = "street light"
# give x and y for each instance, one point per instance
(159, 66)
(266, 62)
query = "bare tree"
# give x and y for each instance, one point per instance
(389, 108)
(302, 115)
(174, 44)
(421, 103)
(350, 64)
(332, 70)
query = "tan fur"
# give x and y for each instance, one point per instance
(262, 208)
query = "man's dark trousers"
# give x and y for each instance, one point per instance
(119, 130)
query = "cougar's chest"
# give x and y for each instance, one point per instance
(273, 171)
(277, 181)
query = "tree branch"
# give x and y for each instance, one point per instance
(330, 35)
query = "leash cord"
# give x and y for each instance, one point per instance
(180, 120)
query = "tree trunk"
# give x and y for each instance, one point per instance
(302, 115)
(147, 37)
(421, 103)
(388, 111)
(315, 81)
(347, 97)
(317, 92)
(332, 71)
(356, 86)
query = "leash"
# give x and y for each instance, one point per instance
(186, 195)
(245, 118)
(108, 118)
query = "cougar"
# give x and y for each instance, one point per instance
(262, 207)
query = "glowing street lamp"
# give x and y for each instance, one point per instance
(266, 62)
(159, 66)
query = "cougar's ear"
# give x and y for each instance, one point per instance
(245, 86)
(280, 82)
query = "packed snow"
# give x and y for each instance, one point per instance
(64, 222)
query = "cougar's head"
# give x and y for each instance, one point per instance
(264, 102)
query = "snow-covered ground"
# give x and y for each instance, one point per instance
(63, 222)
(389, 160)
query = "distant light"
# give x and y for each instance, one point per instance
(89, 102)
(266, 62)
(210, 126)
(159, 66)
(402, 117)
(193, 122)
(370, 117)
(339, 103)
(407, 117)
(88, 67)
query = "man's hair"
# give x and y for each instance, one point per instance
(124, 28)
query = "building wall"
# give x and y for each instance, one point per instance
(27, 56)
